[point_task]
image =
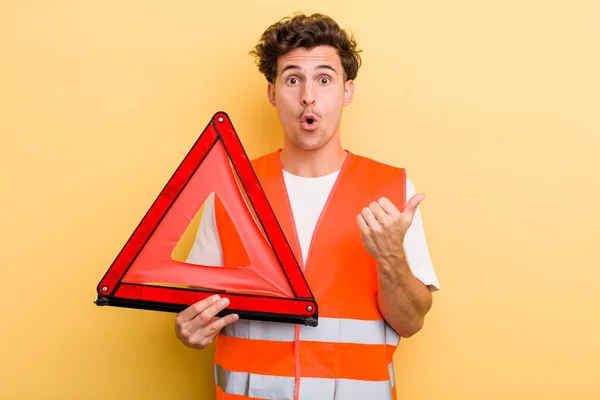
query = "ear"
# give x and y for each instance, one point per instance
(271, 93)
(348, 92)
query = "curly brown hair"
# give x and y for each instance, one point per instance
(305, 31)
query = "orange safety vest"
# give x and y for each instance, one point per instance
(349, 355)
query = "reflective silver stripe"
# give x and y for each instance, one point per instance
(392, 376)
(331, 330)
(391, 337)
(316, 388)
(260, 330)
(344, 389)
(340, 330)
(254, 385)
(231, 382)
(279, 387)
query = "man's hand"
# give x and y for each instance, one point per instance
(383, 227)
(196, 326)
(403, 299)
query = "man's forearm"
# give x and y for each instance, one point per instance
(403, 299)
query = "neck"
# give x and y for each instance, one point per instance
(313, 163)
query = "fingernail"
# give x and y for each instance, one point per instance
(225, 302)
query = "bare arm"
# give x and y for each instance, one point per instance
(403, 299)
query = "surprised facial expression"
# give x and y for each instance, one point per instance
(309, 93)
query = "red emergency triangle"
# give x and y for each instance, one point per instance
(145, 276)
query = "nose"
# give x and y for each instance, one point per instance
(307, 96)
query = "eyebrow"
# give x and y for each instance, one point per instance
(322, 66)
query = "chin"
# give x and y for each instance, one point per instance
(311, 144)
(309, 140)
(310, 147)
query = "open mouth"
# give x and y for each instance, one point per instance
(309, 122)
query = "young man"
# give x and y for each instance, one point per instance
(355, 227)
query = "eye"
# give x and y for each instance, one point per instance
(292, 80)
(324, 80)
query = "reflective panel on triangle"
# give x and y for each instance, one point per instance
(154, 263)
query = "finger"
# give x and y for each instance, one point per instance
(413, 203)
(192, 311)
(378, 212)
(205, 316)
(388, 207)
(362, 225)
(369, 217)
(215, 327)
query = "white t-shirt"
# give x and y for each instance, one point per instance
(307, 199)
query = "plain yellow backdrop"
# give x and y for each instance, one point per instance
(492, 107)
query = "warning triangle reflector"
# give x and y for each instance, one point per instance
(145, 275)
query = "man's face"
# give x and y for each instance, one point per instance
(309, 94)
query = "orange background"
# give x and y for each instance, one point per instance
(493, 108)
